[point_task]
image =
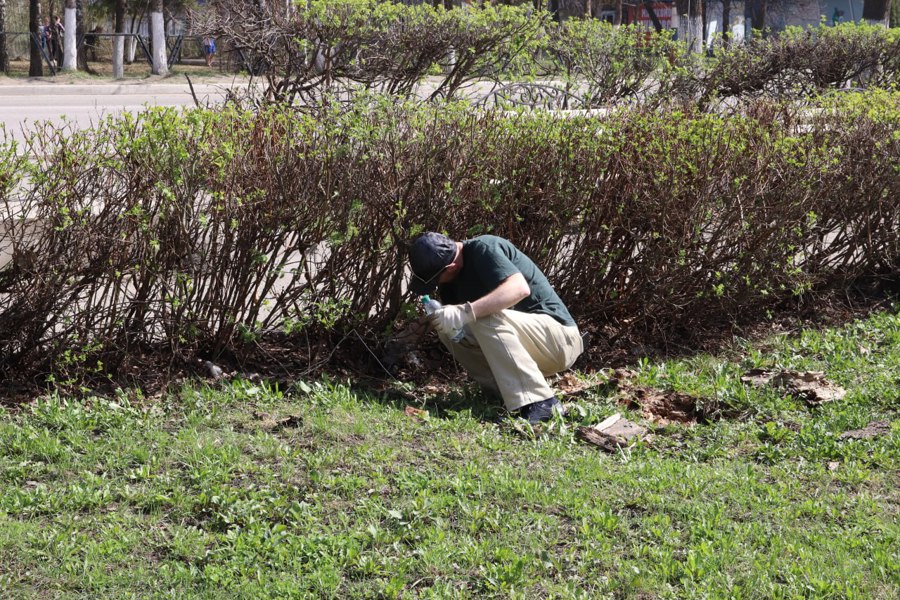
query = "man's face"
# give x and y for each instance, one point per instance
(452, 270)
(448, 274)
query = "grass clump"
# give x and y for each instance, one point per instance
(329, 491)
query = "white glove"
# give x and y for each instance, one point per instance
(451, 318)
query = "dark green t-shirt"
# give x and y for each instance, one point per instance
(488, 260)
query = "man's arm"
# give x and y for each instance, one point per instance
(450, 319)
(510, 292)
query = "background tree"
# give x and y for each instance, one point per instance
(877, 12)
(36, 68)
(726, 23)
(691, 27)
(118, 57)
(70, 46)
(758, 10)
(158, 35)
(80, 31)
(4, 52)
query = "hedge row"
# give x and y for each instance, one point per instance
(327, 45)
(210, 234)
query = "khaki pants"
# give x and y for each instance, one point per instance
(512, 352)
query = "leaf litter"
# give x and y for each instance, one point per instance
(810, 386)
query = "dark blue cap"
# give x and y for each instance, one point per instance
(429, 255)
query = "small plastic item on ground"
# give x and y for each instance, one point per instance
(213, 370)
(611, 434)
(811, 386)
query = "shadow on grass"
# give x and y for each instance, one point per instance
(442, 401)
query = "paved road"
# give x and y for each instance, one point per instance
(22, 104)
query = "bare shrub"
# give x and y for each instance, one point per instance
(318, 49)
(323, 47)
(227, 234)
(603, 62)
(803, 63)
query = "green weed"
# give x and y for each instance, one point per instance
(325, 491)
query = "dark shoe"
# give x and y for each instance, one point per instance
(538, 412)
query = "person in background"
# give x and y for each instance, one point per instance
(91, 39)
(59, 34)
(517, 329)
(45, 34)
(209, 50)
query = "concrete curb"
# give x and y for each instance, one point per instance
(146, 89)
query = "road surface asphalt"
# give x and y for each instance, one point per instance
(24, 102)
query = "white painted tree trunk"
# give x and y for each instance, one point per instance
(738, 25)
(118, 57)
(158, 31)
(131, 49)
(690, 29)
(70, 45)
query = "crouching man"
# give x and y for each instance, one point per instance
(518, 331)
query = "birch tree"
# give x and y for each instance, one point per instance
(70, 45)
(158, 33)
(118, 57)
(690, 23)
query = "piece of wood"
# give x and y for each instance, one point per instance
(611, 434)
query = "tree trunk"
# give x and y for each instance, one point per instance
(136, 19)
(158, 34)
(79, 33)
(118, 57)
(36, 67)
(690, 25)
(70, 46)
(758, 9)
(617, 19)
(726, 23)
(4, 54)
(704, 18)
(877, 12)
(648, 6)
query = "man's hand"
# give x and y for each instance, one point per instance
(450, 319)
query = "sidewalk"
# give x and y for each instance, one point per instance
(78, 84)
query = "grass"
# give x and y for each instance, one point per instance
(327, 491)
